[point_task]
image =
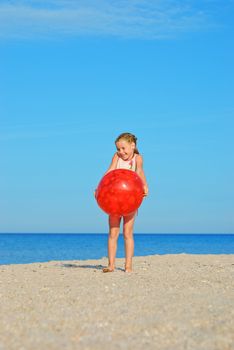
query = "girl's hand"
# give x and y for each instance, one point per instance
(146, 191)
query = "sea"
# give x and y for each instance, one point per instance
(28, 248)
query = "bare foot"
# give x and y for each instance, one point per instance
(128, 269)
(107, 269)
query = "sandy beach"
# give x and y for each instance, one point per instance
(169, 302)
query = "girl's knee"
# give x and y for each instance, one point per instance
(128, 235)
(114, 233)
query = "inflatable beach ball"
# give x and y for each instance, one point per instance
(120, 192)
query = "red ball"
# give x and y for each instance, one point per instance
(120, 192)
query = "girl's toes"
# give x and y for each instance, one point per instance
(107, 269)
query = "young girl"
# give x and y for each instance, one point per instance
(126, 157)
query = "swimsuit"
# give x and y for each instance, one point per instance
(127, 164)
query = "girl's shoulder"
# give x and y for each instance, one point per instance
(115, 159)
(115, 156)
(113, 163)
(139, 159)
(138, 156)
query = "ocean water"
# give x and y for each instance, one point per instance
(29, 248)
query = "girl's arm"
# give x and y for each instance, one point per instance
(111, 167)
(140, 172)
(113, 164)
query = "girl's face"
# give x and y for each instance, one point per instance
(125, 149)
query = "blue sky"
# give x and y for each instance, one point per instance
(75, 74)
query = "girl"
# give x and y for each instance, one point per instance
(126, 157)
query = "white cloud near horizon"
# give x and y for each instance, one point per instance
(146, 19)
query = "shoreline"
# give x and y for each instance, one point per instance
(171, 301)
(117, 259)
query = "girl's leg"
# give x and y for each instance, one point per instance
(114, 226)
(128, 240)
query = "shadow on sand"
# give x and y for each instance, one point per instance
(95, 267)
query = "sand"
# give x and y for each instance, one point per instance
(169, 302)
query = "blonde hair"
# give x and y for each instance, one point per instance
(126, 136)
